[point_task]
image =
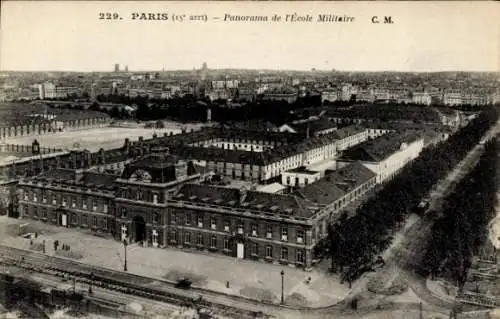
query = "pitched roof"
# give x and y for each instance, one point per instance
(336, 184)
(380, 148)
(207, 193)
(276, 203)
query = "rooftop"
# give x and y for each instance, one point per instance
(337, 184)
(302, 170)
(380, 148)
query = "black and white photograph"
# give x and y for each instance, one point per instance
(250, 159)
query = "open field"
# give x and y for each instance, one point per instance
(96, 138)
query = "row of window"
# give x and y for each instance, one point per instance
(72, 218)
(254, 247)
(254, 228)
(66, 201)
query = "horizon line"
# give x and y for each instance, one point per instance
(333, 70)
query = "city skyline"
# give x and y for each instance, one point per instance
(416, 42)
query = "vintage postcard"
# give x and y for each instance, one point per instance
(241, 159)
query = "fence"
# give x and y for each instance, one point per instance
(20, 148)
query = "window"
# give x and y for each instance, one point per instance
(188, 219)
(123, 212)
(54, 199)
(226, 244)
(44, 196)
(296, 181)
(94, 205)
(156, 218)
(200, 221)
(138, 195)
(84, 202)
(240, 228)
(300, 256)
(288, 180)
(300, 236)
(26, 195)
(105, 208)
(213, 242)
(94, 221)
(306, 181)
(226, 226)
(187, 238)
(34, 196)
(64, 201)
(255, 249)
(73, 201)
(35, 212)
(155, 198)
(254, 229)
(269, 251)
(213, 223)
(44, 213)
(84, 219)
(284, 233)
(73, 219)
(284, 253)
(269, 232)
(172, 219)
(173, 236)
(199, 240)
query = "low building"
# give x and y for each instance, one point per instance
(299, 177)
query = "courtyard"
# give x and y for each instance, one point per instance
(95, 138)
(256, 280)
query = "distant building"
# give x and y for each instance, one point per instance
(117, 67)
(51, 91)
(330, 95)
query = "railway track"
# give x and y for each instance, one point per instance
(126, 283)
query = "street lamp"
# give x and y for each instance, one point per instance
(282, 286)
(125, 250)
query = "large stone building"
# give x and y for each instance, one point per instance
(160, 192)
(161, 200)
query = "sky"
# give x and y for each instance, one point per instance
(425, 36)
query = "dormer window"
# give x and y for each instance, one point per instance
(254, 229)
(139, 195)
